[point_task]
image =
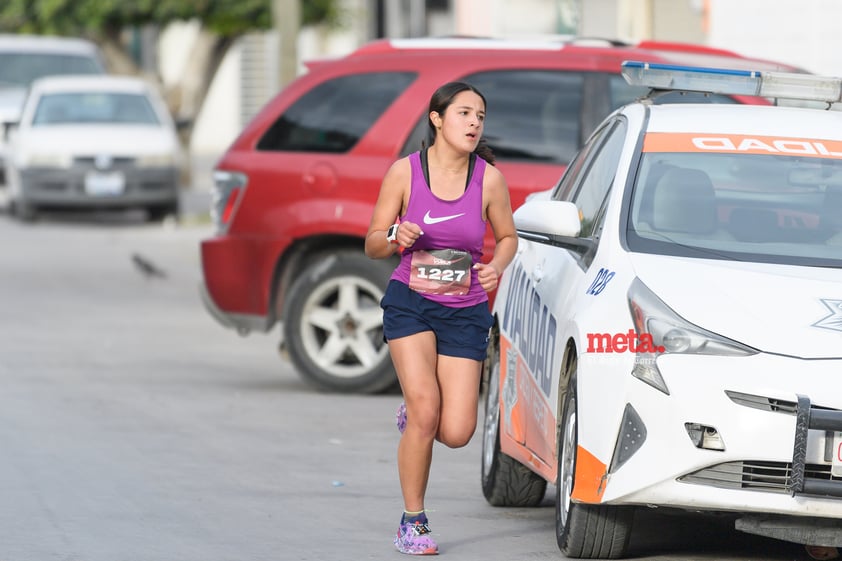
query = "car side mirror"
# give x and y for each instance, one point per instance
(551, 222)
(8, 127)
(556, 218)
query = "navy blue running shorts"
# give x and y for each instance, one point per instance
(460, 332)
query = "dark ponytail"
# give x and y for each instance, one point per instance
(440, 101)
(484, 151)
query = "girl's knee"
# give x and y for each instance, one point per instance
(423, 420)
(456, 438)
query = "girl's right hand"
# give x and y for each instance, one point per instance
(408, 233)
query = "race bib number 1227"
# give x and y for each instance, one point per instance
(441, 271)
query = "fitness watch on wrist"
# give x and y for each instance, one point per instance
(392, 234)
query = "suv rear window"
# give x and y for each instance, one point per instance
(533, 115)
(333, 116)
(545, 116)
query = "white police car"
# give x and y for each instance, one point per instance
(669, 333)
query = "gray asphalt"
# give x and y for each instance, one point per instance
(134, 428)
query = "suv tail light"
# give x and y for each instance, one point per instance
(228, 190)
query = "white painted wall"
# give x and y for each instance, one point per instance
(174, 44)
(598, 18)
(210, 135)
(506, 18)
(805, 33)
(218, 122)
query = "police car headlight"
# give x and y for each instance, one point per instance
(670, 332)
(676, 341)
(664, 331)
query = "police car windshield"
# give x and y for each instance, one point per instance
(764, 207)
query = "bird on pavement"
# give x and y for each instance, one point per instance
(147, 268)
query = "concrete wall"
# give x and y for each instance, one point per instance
(800, 32)
(636, 20)
(598, 18)
(805, 33)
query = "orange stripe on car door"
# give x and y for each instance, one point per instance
(589, 483)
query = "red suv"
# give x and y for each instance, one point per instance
(295, 191)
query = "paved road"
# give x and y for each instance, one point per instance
(133, 428)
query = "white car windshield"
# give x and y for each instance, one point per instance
(20, 69)
(94, 108)
(769, 208)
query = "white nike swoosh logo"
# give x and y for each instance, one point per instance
(430, 220)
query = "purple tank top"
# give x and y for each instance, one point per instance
(456, 224)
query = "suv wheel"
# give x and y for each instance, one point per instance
(158, 213)
(333, 324)
(23, 211)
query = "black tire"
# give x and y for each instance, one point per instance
(335, 349)
(584, 531)
(23, 211)
(158, 213)
(505, 481)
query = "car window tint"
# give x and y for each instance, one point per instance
(334, 115)
(419, 133)
(572, 175)
(94, 107)
(599, 177)
(20, 69)
(532, 115)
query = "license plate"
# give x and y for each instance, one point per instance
(836, 469)
(105, 184)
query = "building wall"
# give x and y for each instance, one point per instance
(800, 32)
(598, 18)
(678, 20)
(635, 20)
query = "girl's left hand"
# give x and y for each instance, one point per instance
(487, 276)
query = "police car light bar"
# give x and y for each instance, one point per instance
(733, 82)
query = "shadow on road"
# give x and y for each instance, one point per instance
(666, 535)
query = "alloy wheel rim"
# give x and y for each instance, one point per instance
(492, 418)
(342, 327)
(567, 463)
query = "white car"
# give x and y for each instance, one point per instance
(25, 58)
(669, 333)
(94, 142)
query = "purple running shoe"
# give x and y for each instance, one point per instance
(400, 417)
(415, 539)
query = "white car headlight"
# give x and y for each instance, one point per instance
(156, 160)
(667, 332)
(46, 160)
